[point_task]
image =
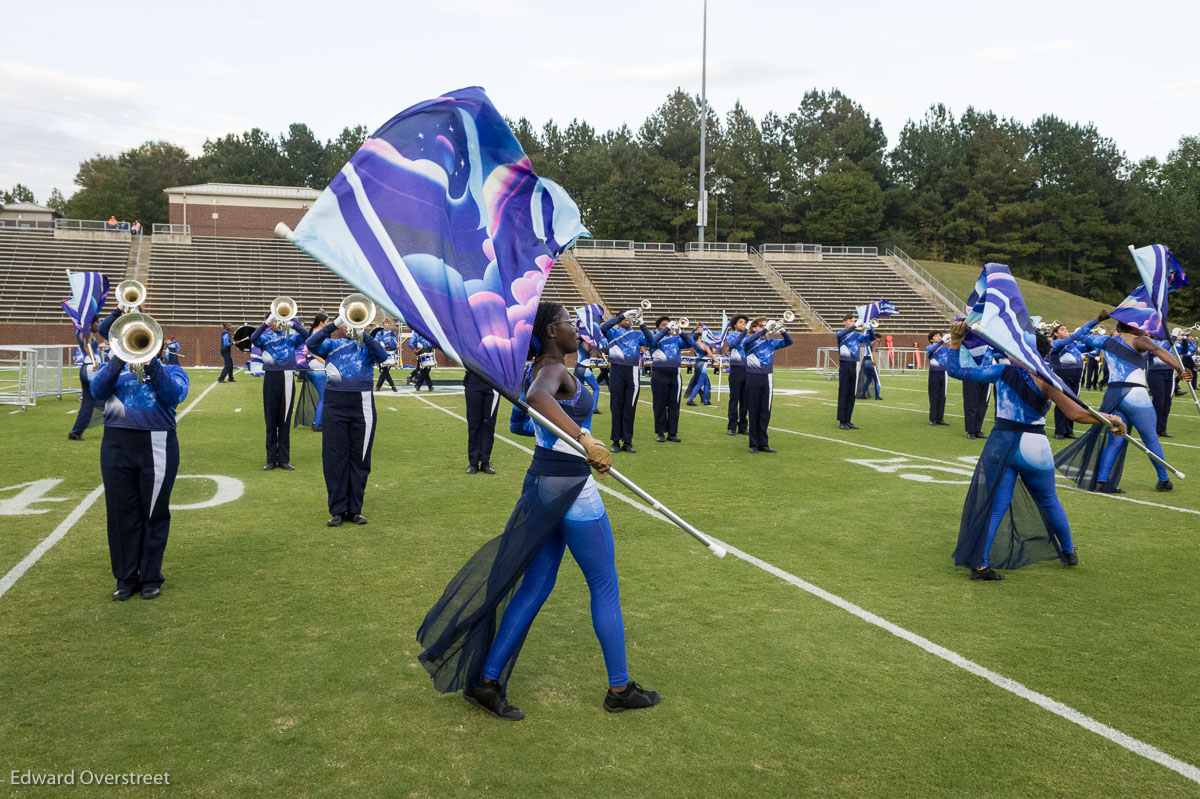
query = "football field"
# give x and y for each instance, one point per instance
(837, 651)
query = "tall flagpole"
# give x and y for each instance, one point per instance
(702, 206)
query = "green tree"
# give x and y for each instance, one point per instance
(57, 202)
(252, 157)
(339, 151)
(304, 156)
(845, 205)
(20, 193)
(130, 186)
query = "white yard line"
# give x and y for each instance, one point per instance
(1128, 742)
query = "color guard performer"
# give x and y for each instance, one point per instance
(279, 338)
(700, 384)
(585, 356)
(624, 359)
(868, 374)
(87, 370)
(667, 343)
(737, 416)
(760, 378)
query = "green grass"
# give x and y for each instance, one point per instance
(280, 659)
(1043, 301)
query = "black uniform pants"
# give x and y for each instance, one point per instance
(482, 404)
(1091, 373)
(1063, 425)
(1161, 384)
(138, 468)
(277, 408)
(87, 403)
(227, 371)
(737, 414)
(421, 377)
(666, 387)
(758, 396)
(937, 394)
(624, 385)
(847, 385)
(348, 432)
(975, 404)
(385, 376)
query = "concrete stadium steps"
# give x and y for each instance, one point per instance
(33, 272)
(834, 285)
(215, 279)
(684, 285)
(561, 288)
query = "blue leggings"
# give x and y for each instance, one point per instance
(1034, 463)
(591, 544)
(587, 376)
(703, 387)
(1137, 411)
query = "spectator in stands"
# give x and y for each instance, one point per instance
(112, 223)
(226, 353)
(136, 229)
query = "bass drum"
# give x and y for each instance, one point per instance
(241, 337)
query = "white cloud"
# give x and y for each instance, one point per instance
(1022, 51)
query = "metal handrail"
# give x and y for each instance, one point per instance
(820, 249)
(661, 246)
(160, 228)
(604, 244)
(91, 224)
(956, 302)
(714, 246)
(28, 224)
(795, 295)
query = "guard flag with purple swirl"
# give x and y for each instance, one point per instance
(998, 316)
(875, 310)
(440, 220)
(1146, 307)
(587, 325)
(89, 291)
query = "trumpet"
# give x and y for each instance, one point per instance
(675, 326)
(635, 315)
(137, 339)
(356, 312)
(863, 326)
(130, 294)
(1098, 330)
(775, 326)
(283, 310)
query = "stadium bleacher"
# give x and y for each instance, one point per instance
(836, 283)
(683, 285)
(33, 266)
(561, 288)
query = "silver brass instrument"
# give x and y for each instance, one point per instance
(137, 339)
(635, 315)
(1098, 330)
(776, 326)
(675, 326)
(283, 310)
(356, 312)
(130, 294)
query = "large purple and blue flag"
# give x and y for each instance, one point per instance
(587, 325)
(998, 316)
(1146, 307)
(440, 219)
(875, 310)
(89, 291)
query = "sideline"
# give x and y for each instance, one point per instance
(1112, 734)
(14, 574)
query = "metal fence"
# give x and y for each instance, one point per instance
(654, 246)
(588, 244)
(91, 224)
(27, 224)
(888, 362)
(38, 370)
(819, 249)
(958, 303)
(714, 246)
(160, 228)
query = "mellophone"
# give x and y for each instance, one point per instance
(136, 338)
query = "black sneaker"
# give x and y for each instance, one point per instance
(74, 437)
(487, 697)
(1071, 558)
(660, 438)
(616, 447)
(731, 432)
(1104, 488)
(986, 573)
(628, 448)
(634, 697)
(674, 438)
(1164, 485)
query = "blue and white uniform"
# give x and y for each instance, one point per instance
(584, 373)
(421, 346)
(139, 459)
(939, 356)
(1066, 360)
(760, 383)
(666, 386)
(387, 340)
(226, 357)
(850, 343)
(278, 361)
(624, 383)
(738, 415)
(87, 370)
(700, 384)
(868, 376)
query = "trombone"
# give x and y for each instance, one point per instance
(283, 310)
(137, 339)
(130, 295)
(635, 315)
(356, 312)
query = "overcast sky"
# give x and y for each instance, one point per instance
(77, 79)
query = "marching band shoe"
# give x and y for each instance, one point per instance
(1071, 558)
(931, 424)
(1059, 436)
(691, 403)
(766, 449)
(472, 469)
(396, 390)
(316, 428)
(287, 467)
(616, 447)
(980, 434)
(628, 448)
(1070, 435)
(634, 697)
(487, 697)
(707, 403)
(1104, 488)
(848, 426)
(151, 592)
(753, 450)
(743, 432)
(74, 437)
(674, 438)
(597, 412)
(486, 468)
(1165, 435)
(268, 467)
(357, 518)
(731, 432)
(986, 573)
(1164, 485)
(334, 521)
(121, 594)
(942, 423)
(660, 438)
(972, 436)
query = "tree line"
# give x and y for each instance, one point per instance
(1056, 200)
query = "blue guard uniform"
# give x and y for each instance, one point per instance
(939, 357)
(87, 370)
(850, 343)
(348, 418)
(583, 353)
(760, 384)
(666, 387)
(737, 417)
(279, 361)
(139, 459)
(1066, 360)
(624, 357)
(387, 340)
(700, 385)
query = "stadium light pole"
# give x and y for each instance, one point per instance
(702, 206)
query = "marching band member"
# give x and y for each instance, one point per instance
(624, 357)
(279, 360)
(939, 356)
(226, 352)
(850, 342)
(585, 352)
(1126, 397)
(171, 352)
(87, 370)
(1066, 359)
(737, 416)
(666, 387)
(482, 403)
(1017, 449)
(421, 346)
(976, 397)
(1160, 382)
(868, 375)
(700, 384)
(139, 458)
(760, 380)
(560, 507)
(387, 340)
(350, 411)
(1187, 354)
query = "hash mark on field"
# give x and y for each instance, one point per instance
(1012, 686)
(237, 410)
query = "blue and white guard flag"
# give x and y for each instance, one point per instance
(89, 291)
(875, 310)
(1146, 307)
(587, 325)
(440, 220)
(999, 317)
